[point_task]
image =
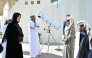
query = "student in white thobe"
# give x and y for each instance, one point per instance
(33, 37)
(4, 43)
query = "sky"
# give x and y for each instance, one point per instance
(55, 3)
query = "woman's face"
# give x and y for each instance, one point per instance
(68, 22)
(18, 18)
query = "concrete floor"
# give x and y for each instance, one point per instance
(54, 52)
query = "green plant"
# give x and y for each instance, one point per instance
(0, 33)
(39, 34)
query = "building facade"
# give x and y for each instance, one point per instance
(78, 9)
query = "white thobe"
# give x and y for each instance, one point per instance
(76, 44)
(4, 44)
(34, 39)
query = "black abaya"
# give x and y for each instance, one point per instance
(14, 49)
(14, 35)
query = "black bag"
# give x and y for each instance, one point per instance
(1, 48)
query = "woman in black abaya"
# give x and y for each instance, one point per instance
(14, 37)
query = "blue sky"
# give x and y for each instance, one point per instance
(55, 3)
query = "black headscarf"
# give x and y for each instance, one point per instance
(15, 22)
(14, 17)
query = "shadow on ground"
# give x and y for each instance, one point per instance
(59, 49)
(26, 53)
(50, 44)
(44, 55)
(49, 55)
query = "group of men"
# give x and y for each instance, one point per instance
(83, 40)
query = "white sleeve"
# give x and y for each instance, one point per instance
(29, 25)
(37, 28)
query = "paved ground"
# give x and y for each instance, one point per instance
(53, 51)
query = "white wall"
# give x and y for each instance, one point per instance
(89, 12)
(71, 7)
(27, 10)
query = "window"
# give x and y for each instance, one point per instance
(26, 2)
(53, 1)
(38, 2)
(32, 2)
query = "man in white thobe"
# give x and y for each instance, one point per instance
(33, 37)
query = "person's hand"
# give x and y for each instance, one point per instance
(20, 42)
(65, 41)
(32, 27)
(38, 26)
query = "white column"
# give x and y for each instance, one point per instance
(6, 12)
